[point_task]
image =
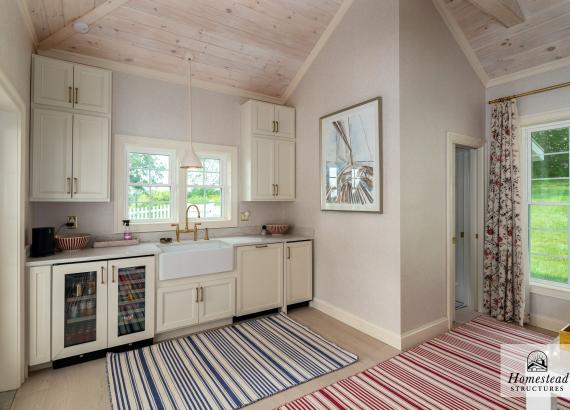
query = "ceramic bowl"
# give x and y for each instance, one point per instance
(277, 229)
(72, 242)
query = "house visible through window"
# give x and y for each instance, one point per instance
(149, 187)
(548, 202)
(205, 189)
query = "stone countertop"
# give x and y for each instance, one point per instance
(142, 249)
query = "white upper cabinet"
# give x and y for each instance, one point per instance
(51, 154)
(90, 157)
(63, 84)
(53, 82)
(285, 121)
(267, 152)
(92, 89)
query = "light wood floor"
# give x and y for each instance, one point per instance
(84, 386)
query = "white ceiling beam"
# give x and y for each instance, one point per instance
(89, 18)
(508, 12)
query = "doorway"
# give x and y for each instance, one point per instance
(465, 163)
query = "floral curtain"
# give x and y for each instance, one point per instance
(503, 278)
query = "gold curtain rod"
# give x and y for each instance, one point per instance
(538, 91)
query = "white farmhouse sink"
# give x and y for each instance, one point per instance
(181, 260)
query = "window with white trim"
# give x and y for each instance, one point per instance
(548, 159)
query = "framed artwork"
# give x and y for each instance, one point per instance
(351, 158)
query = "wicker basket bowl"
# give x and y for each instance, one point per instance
(277, 229)
(72, 242)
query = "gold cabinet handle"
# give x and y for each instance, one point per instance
(201, 294)
(288, 252)
(197, 293)
(76, 95)
(277, 122)
(113, 276)
(69, 94)
(102, 276)
(260, 246)
(277, 189)
(75, 184)
(68, 183)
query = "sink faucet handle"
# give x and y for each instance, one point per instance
(177, 231)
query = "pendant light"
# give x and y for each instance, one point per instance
(190, 159)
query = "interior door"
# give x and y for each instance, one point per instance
(131, 300)
(53, 82)
(462, 219)
(92, 89)
(217, 300)
(285, 117)
(79, 308)
(299, 272)
(90, 157)
(260, 278)
(51, 154)
(263, 169)
(285, 170)
(263, 118)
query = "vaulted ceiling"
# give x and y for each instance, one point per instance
(512, 36)
(261, 47)
(252, 45)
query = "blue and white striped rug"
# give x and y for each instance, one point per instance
(225, 368)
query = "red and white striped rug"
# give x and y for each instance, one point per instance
(457, 370)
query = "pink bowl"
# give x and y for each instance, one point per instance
(72, 242)
(277, 229)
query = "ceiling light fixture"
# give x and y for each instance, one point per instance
(81, 27)
(190, 159)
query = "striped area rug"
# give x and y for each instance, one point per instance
(224, 368)
(458, 370)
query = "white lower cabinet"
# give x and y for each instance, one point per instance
(97, 305)
(298, 272)
(188, 302)
(39, 314)
(259, 278)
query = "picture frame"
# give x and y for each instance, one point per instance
(351, 158)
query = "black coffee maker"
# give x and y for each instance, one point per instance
(43, 242)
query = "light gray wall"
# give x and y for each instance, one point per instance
(152, 108)
(540, 305)
(357, 255)
(439, 92)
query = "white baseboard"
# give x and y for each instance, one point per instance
(546, 322)
(425, 332)
(371, 329)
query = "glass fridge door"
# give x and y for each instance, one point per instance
(80, 324)
(131, 282)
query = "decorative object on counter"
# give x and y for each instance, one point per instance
(127, 234)
(111, 244)
(264, 229)
(43, 242)
(277, 229)
(351, 158)
(72, 242)
(165, 240)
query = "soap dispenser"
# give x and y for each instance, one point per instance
(127, 235)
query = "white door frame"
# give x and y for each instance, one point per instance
(477, 215)
(12, 293)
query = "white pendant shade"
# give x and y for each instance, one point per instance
(190, 159)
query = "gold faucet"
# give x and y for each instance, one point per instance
(186, 228)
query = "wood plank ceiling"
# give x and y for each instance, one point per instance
(543, 36)
(252, 45)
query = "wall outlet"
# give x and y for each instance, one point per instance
(72, 222)
(244, 216)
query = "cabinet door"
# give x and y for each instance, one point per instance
(176, 307)
(299, 272)
(263, 169)
(260, 278)
(53, 82)
(131, 300)
(285, 170)
(92, 90)
(217, 300)
(39, 298)
(51, 155)
(263, 117)
(79, 308)
(285, 117)
(90, 158)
